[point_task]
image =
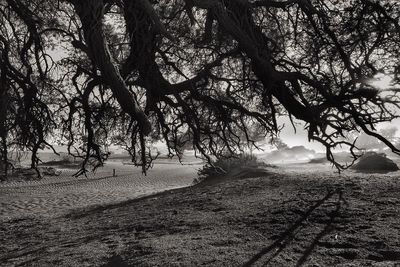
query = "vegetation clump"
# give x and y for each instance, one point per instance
(375, 162)
(237, 166)
(318, 161)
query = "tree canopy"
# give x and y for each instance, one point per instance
(91, 73)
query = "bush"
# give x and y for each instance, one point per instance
(374, 162)
(318, 161)
(64, 161)
(231, 166)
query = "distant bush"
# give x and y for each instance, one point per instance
(318, 160)
(61, 162)
(375, 162)
(64, 161)
(231, 166)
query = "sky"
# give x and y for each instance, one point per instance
(300, 137)
(380, 81)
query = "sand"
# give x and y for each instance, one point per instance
(53, 196)
(293, 216)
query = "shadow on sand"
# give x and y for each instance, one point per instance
(287, 236)
(116, 261)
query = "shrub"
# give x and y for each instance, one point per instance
(318, 160)
(374, 162)
(228, 165)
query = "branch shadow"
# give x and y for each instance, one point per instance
(80, 213)
(116, 261)
(287, 236)
(328, 228)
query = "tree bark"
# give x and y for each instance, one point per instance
(90, 13)
(3, 117)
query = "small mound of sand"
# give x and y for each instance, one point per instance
(248, 172)
(238, 172)
(374, 162)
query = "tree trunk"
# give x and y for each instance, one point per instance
(3, 120)
(236, 19)
(90, 13)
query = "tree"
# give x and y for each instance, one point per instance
(207, 69)
(367, 142)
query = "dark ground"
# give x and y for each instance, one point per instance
(287, 218)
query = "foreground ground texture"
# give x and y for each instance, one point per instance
(286, 218)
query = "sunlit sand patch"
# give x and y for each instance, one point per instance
(53, 196)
